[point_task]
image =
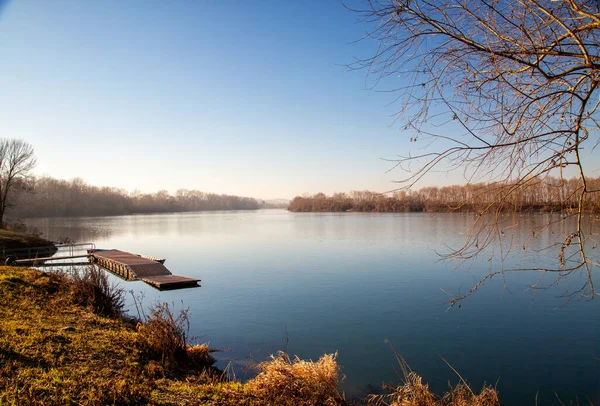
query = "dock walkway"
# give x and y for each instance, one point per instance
(148, 269)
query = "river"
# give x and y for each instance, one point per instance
(363, 285)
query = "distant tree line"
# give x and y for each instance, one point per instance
(552, 194)
(49, 197)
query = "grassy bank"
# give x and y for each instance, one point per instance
(64, 340)
(58, 346)
(10, 239)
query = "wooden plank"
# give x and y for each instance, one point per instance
(145, 268)
(170, 282)
(150, 269)
(126, 262)
(122, 257)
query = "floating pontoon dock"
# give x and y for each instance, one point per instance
(124, 264)
(148, 269)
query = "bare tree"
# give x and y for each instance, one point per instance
(16, 161)
(504, 91)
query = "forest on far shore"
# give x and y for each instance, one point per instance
(49, 197)
(550, 195)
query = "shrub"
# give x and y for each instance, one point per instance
(165, 334)
(91, 288)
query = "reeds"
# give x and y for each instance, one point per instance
(413, 392)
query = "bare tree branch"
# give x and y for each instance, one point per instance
(505, 91)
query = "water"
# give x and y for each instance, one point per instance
(363, 285)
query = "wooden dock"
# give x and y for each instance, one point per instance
(138, 267)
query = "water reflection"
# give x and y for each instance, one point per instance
(77, 230)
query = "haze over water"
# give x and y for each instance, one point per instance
(359, 284)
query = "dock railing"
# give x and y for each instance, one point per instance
(42, 255)
(73, 248)
(46, 250)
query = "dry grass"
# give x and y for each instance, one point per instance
(54, 352)
(413, 392)
(281, 382)
(285, 381)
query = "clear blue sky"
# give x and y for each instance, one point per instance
(237, 97)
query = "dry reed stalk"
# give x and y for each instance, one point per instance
(413, 392)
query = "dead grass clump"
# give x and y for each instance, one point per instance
(91, 288)
(199, 355)
(462, 395)
(413, 392)
(283, 381)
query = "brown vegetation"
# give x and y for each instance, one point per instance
(91, 289)
(48, 197)
(551, 195)
(284, 381)
(413, 392)
(166, 336)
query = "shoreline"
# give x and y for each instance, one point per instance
(63, 344)
(20, 245)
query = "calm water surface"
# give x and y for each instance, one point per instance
(362, 284)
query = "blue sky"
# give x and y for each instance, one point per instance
(248, 98)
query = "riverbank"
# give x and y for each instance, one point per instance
(20, 245)
(65, 340)
(10, 239)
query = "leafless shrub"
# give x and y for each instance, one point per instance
(166, 334)
(90, 287)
